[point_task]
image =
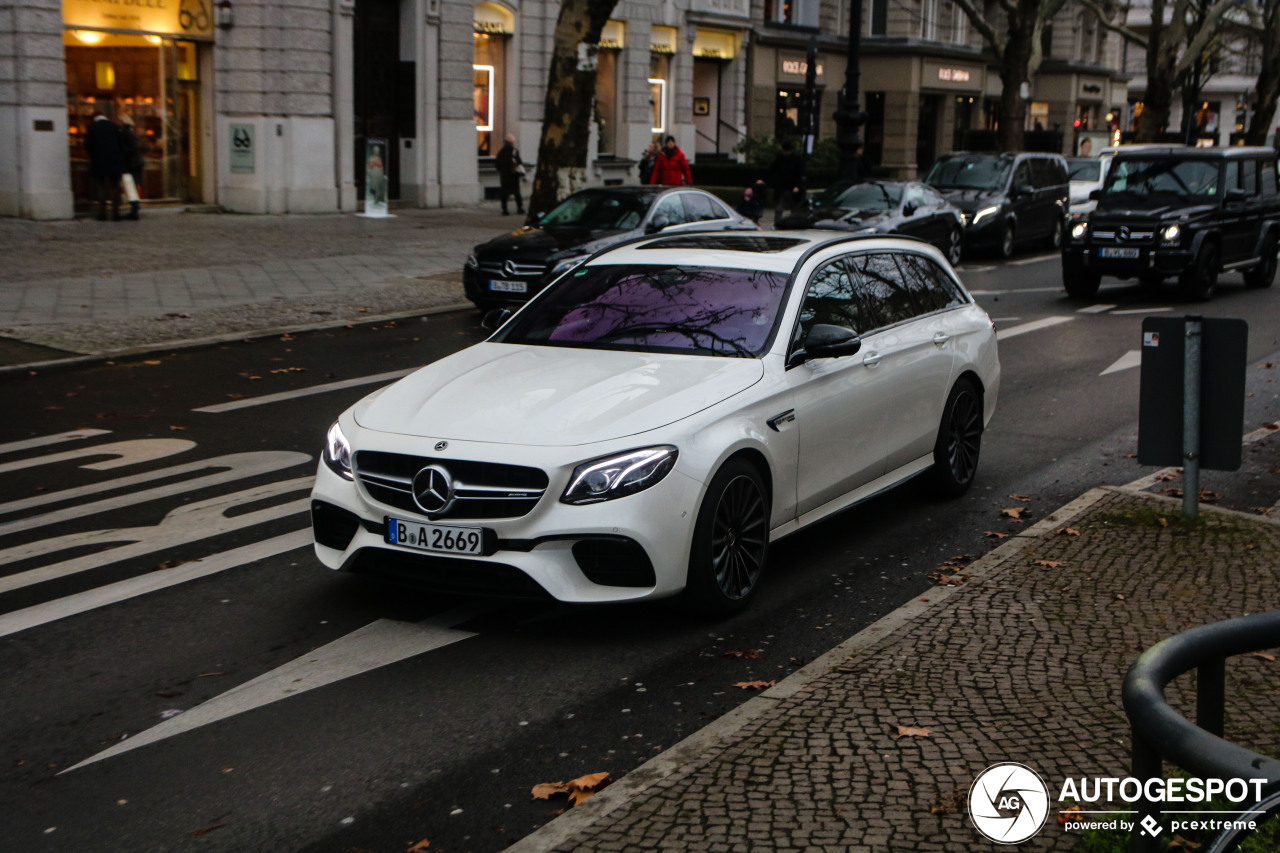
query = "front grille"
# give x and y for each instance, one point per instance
(481, 489)
(1135, 237)
(518, 269)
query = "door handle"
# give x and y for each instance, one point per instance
(871, 359)
(941, 338)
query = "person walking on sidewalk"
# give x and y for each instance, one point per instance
(647, 161)
(131, 148)
(510, 171)
(671, 169)
(106, 163)
(786, 175)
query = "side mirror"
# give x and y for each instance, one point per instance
(540, 216)
(493, 319)
(826, 341)
(1094, 195)
(909, 209)
(1023, 189)
(656, 224)
(1236, 195)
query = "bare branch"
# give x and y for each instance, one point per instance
(1119, 29)
(979, 21)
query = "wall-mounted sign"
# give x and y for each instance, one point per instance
(613, 36)
(188, 19)
(242, 153)
(953, 75)
(1092, 91)
(663, 39)
(493, 19)
(715, 44)
(798, 67)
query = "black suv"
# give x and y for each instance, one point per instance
(1007, 199)
(1190, 213)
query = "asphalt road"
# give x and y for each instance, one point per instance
(341, 745)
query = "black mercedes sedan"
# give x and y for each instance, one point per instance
(908, 208)
(511, 268)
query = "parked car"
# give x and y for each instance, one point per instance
(1008, 199)
(906, 208)
(1191, 213)
(650, 422)
(510, 268)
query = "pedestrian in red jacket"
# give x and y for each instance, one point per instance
(671, 168)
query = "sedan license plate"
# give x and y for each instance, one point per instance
(504, 286)
(1119, 253)
(435, 537)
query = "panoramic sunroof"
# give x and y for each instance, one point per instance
(725, 243)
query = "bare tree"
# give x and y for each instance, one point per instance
(1018, 56)
(571, 92)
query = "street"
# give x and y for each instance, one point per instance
(182, 674)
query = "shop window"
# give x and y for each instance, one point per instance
(1037, 116)
(879, 17)
(493, 26)
(607, 101)
(795, 13)
(929, 20)
(659, 71)
(790, 117)
(959, 25)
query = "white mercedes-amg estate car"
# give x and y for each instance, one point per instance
(650, 422)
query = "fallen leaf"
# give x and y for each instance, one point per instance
(578, 789)
(1168, 475)
(1131, 456)
(1271, 426)
(754, 685)
(420, 847)
(176, 428)
(152, 361)
(1180, 843)
(169, 564)
(912, 731)
(1069, 814)
(1068, 531)
(747, 654)
(948, 580)
(237, 396)
(1263, 655)
(991, 534)
(288, 370)
(1269, 365)
(1015, 513)
(1022, 498)
(1052, 564)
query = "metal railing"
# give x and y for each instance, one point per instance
(1161, 733)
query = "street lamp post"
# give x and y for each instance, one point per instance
(849, 117)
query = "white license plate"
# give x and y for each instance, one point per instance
(1119, 253)
(435, 537)
(503, 286)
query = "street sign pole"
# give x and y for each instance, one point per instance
(1191, 419)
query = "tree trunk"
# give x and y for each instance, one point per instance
(1015, 69)
(1267, 89)
(571, 91)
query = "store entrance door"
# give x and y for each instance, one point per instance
(155, 82)
(377, 88)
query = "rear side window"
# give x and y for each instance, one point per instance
(699, 208)
(1249, 177)
(1268, 177)
(930, 287)
(884, 297)
(831, 299)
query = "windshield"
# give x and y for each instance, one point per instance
(1158, 182)
(597, 209)
(1085, 170)
(869, 197)
(677, 309)
(963, 173)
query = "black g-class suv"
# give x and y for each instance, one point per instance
(1190, 213)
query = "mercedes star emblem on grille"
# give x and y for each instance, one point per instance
(432, 489)
(509, 268)
(1123, 234)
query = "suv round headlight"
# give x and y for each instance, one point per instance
(1078, 231)
(1170, 233)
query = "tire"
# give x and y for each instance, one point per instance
(1201, 278)
(1265, 272)
(1005, 249)
(1055, 237)
(955, 247)
(730, 541)
(959, 442)
(1081, 284)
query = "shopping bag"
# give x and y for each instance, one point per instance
(130, 188)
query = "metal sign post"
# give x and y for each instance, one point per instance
(1191, 420)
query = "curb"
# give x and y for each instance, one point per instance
(213, 340)
(693, 750)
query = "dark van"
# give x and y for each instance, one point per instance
(1008, 199)
(1188, 214)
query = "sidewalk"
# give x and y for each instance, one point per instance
(178, 276)
(1022, 661)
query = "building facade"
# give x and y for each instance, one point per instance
(301, 106)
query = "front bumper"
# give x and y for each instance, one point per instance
(476, 283)
(629, 548)
(987, 233)
(1163, 260)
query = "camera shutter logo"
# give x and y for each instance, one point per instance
(1008, 803)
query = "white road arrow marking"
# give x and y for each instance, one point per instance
(45, 440)
(238, 466)
(1141, 311)
(128, 453)
(92, 599)
(1131, 359)
(188, 523)
(305, 392)
(375, 645)
(1033, 326)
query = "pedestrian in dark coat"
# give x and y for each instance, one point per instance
(131, 149)
(671, 169)
(751, 206)
(510, 171)
(106, 163)
(647, 161)
(786, 176)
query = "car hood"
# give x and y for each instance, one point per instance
(1164, 211)
(544, 242)
(837, 218)
(553, 396)
(969, 200)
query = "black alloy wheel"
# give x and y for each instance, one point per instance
(959, 443)
(730, 541)
(955, 246)
(1265, 272)
(1055, 236)
(1006, 241)
(1201, 278)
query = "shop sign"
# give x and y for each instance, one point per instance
(953, 75)
(1091, 91)
(188, 19)
(798, 67)
(242, 153)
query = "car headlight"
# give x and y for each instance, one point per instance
(565, 264)
(1170, 234)
(1078, 230)
(337, 452)
(620, 475)
(984, 213)
(472, 261)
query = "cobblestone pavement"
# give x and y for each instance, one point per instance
(180, 276)
(1021, 662)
